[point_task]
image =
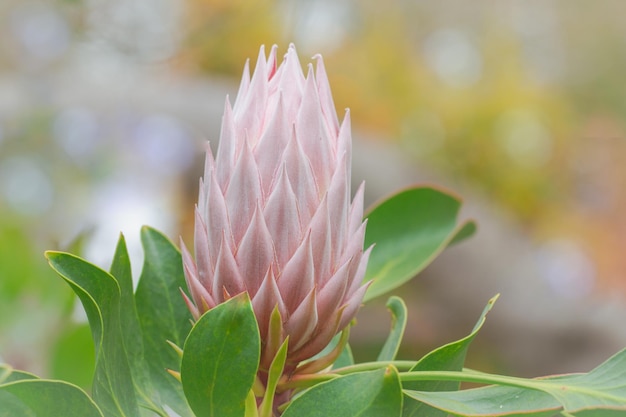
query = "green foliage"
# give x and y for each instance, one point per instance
(43, 398)
(450, 357)
(274, 375)
(100, 294)
(23, 394)
(221, 358)
(163, 316)
(372, 394)
(137, 338)
(398, 325)
(131, 335)
(602, 390)
(410, 230)
(502, 401)
(132, 354)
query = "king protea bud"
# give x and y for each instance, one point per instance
(274, 216)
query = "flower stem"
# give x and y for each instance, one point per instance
(371, 366)
(304, 381)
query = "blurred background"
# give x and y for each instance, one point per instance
(517, 106)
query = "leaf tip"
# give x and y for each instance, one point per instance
(493, 299)
(394, 301)
(464, 231)
(243, 298)
(146, 230)
(50, 254)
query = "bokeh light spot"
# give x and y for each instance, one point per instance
(453, 57)
(524, 138)
(76, 131)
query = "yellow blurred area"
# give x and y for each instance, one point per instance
(484, 94)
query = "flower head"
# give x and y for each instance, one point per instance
(274, 216)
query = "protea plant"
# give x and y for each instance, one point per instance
(274, 216)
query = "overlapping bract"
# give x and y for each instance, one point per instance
(274, 216)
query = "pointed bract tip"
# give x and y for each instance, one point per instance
(176, 348)
(174, 374)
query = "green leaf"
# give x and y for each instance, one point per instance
(131, 329)
(221, 358)
(99, 293)
(251, 406)
(275, 372)
(495, 401)
(602, 390)
(410, 230)
(121, 270)
(603, 387)
(450, 357)
(163, 316)
(465, 231)
(398, 325)
(364, 394)
(45, 398)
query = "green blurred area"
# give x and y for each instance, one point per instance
(522, 101)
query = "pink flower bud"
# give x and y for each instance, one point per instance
(274, 216)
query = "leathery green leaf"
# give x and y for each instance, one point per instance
(251, 407)
(398, 325)
(99, 292)
(365, 394)
(410, 230)
(45, 398)
(599, 393)
(121, 270)
(276, 371)
(131, 329)
(450, 357)
(496, 401)
(221, 358)
(163, 316)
